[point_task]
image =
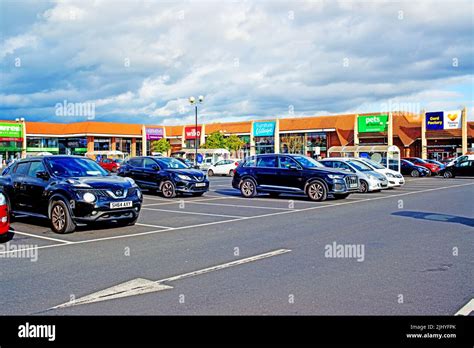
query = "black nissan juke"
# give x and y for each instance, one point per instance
(70, 191)
(166, 175)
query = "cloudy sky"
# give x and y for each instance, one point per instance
(139, 61)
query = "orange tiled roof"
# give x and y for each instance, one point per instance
(174, 131)
(229, 127)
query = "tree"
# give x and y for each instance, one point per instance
(160, 146)
(215, 140)
(233, 143)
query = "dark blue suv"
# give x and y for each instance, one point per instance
(283, 173)
(166, 175)
(69, 191)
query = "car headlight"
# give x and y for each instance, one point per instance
(184, 177)
(139, 193)
(390, 175)
(3, 200)
(335, 176)
(89, 197)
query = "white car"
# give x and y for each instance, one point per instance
(223, 167)
(395, 179)
(460, 159)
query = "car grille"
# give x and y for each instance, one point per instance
(96, 192)
(199, 178)
(350, 180)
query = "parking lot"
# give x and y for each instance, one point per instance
(223, 213)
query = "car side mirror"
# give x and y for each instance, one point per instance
(42, 175)
(155, 167)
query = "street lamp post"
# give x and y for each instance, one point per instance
(192, 100)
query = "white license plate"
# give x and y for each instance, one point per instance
(200, 184)
(353, 185)
(118, 205)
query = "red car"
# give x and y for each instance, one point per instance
(4, 216)
(112, 165)
(434, 168)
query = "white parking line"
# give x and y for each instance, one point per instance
(40, 237)
(466, 309)
(183, 200)
(154, 226)
(238, 206)
(191, 212)
(244, 218)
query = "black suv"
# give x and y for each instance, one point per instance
(70, 191)
(275, 174)
(166, 175)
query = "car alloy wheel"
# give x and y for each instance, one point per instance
(364, 187)
(447, 174)
(168, 190)
(61, 221)
(415, 173)
(316, 191)
(248, 188)
(210, 172)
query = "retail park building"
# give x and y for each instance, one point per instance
(421, 135)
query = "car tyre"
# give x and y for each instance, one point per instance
(168, 190)
(60, 218)
(248, 188)
(231, 172)
(448, 174)
(415, 173)
(316, 191)
(364, 186)
(210, 172)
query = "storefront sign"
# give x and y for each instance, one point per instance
(190, 132)
(154, 133)
(375, 123)
(11, 132)
(264, 129)
(443, 120)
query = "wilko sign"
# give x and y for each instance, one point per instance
(190, 132)
(375, 123)
(11, 132)
(443, 120)
(154, 133)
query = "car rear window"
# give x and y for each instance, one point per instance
(22, 168)
(266, 161)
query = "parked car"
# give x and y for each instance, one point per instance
(460, 159)
(110, 164)
(394, 178)
(70, 191)
(4, 216)
(206, 163)
(223, 167)
(278, 173)
(433, 168)
(408, 168)
(464, 168)
(438, 163)
(166, 175)
(369, 179)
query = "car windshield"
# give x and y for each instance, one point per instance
(374, 164)
(171, 163)
(307, 162)
(360, 166)
(71, 166)
(118, 160)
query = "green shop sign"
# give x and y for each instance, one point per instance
(375, 123)
(42, 149)
(10, 131)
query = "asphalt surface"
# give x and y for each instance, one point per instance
(418, 256)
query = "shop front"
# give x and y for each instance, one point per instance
(72, 146)
(316, 144)
(245, 150)
(153, 134)
(11, 141)
(102, 144)
(35, 145)
(191, 135)
(124, 145)
(264, 137)
(292, 143)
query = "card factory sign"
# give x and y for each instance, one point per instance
(375, 123)
(443, 120)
